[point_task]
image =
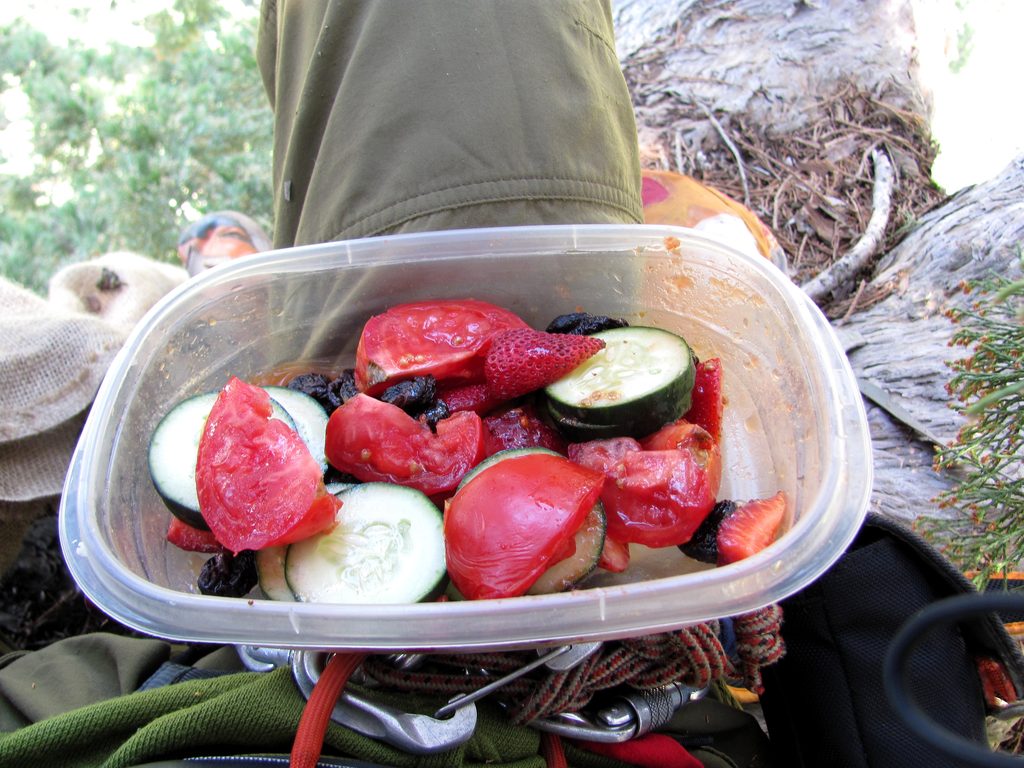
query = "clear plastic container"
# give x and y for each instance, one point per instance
(794, 421)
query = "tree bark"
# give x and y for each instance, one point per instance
(777, 65)
(770, 60)
(903, 340)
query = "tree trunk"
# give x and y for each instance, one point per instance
(770, 60)
(783, 105)
(903, 339)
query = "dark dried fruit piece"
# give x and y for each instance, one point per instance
(227, 575)
(583, 324)
(412, 395)
(703, 545)
(313, 384)
(341, 389)
(434, 413)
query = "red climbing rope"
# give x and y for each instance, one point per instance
(309, 738)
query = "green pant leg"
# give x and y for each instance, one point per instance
(439, 114)
(72, 673)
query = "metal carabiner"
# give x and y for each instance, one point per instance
(625, 717)
(413, 733)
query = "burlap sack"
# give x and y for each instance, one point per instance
(51, 362)
(117, 287)
(34, 467)
(53, 356)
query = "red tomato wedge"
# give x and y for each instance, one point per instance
(441, 338)
(684, 435)
(513, 520)
(659, 490)
(377, 441)
(706, 403)
(258, 484)
(184, 536)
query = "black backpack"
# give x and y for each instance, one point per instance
(826, 704)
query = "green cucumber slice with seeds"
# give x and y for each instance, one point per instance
(567, 573)
(641, 380)
(175, 444)
(310, 419)
(270, 569)
(387, 547)
(173, 450)
(577, 431)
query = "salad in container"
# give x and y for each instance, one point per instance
(479, 439)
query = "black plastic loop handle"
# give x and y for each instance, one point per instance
(895, 671)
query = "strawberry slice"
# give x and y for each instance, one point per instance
(750, 528)
(706, 398)
(522, 360)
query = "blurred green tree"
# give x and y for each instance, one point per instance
(129, 144)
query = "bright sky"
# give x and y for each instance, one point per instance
(979, 114)
(977, 119)
(99, 20)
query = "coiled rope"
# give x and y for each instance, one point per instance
(693, 656)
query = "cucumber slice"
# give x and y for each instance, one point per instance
(579, 432)
(641, 380)
(173, 451)
(310, 419)
(387, 547)
(338, 488)
(270, 567)
(270, 560)
(494, 458)
(569, 572)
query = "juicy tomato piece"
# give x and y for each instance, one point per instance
(658, 491)
(603, 455)
(377, 441)
(520, 427)
(750, 528)
(685, 436)
(513, 520)
(191, 539)
(706, 404)
(441, 338)
(258, 484)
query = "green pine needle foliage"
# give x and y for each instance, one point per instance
(986, 459)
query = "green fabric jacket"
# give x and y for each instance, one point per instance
(75, 704)
(417, 115)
